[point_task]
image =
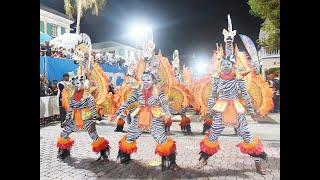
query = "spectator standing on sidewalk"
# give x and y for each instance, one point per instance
(54, 87)
(271, 85)
(61, 86)
(276, 87)
(44, 87)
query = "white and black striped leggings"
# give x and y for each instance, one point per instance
(242, 129)
(157, 131)
(89, 125)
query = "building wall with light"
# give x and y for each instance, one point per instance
(53, 22)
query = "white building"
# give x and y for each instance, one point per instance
(53, 22)
(268, 60)
(126, 52)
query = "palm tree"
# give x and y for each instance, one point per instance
(80, 6)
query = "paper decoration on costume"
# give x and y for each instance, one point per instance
(252, 51)
(175, 58)
(148, 45)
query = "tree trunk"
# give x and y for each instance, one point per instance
(78, 16)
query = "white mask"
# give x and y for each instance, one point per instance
(77, 83)
(226, 66)
(147, 81)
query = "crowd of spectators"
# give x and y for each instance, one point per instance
(60, 52)
(63, 53)
(48, 88)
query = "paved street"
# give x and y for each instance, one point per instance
(229, 163)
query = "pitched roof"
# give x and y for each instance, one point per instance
(48, 9)
(110, 44)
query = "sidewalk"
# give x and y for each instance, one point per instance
(275, 116)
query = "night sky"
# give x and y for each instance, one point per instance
(191, 26)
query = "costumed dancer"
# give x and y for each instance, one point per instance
(129, 84)
(121, 121)
(206, 125)
(167, 125)
(185, 123)
(120, 125)
(81, 113)
(152, 111)
(80, 104)
(227, 110)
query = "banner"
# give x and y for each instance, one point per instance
(49, 106)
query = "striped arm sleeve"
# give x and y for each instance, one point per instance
(212, 99)
(133, 98)
(162, 98)
(245, 95)
(69, 114)
(92, 106)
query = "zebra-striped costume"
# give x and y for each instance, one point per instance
(148, 103)
(157, 124)
(171, 110)
(224, 103)
(77, 113)
(89, 124)
(229, 90)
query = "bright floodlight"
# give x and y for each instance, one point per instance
(139, 31)
(201, 67)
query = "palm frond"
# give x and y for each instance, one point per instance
(68, 8)
(95, 9)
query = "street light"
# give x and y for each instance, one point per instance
(200, 64)
(201, 67)
(139, 32)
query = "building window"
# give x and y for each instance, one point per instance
(121, 52)
(126, 54)
(52, 30)
(49, 29)
(41, 26)
(62, 30)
